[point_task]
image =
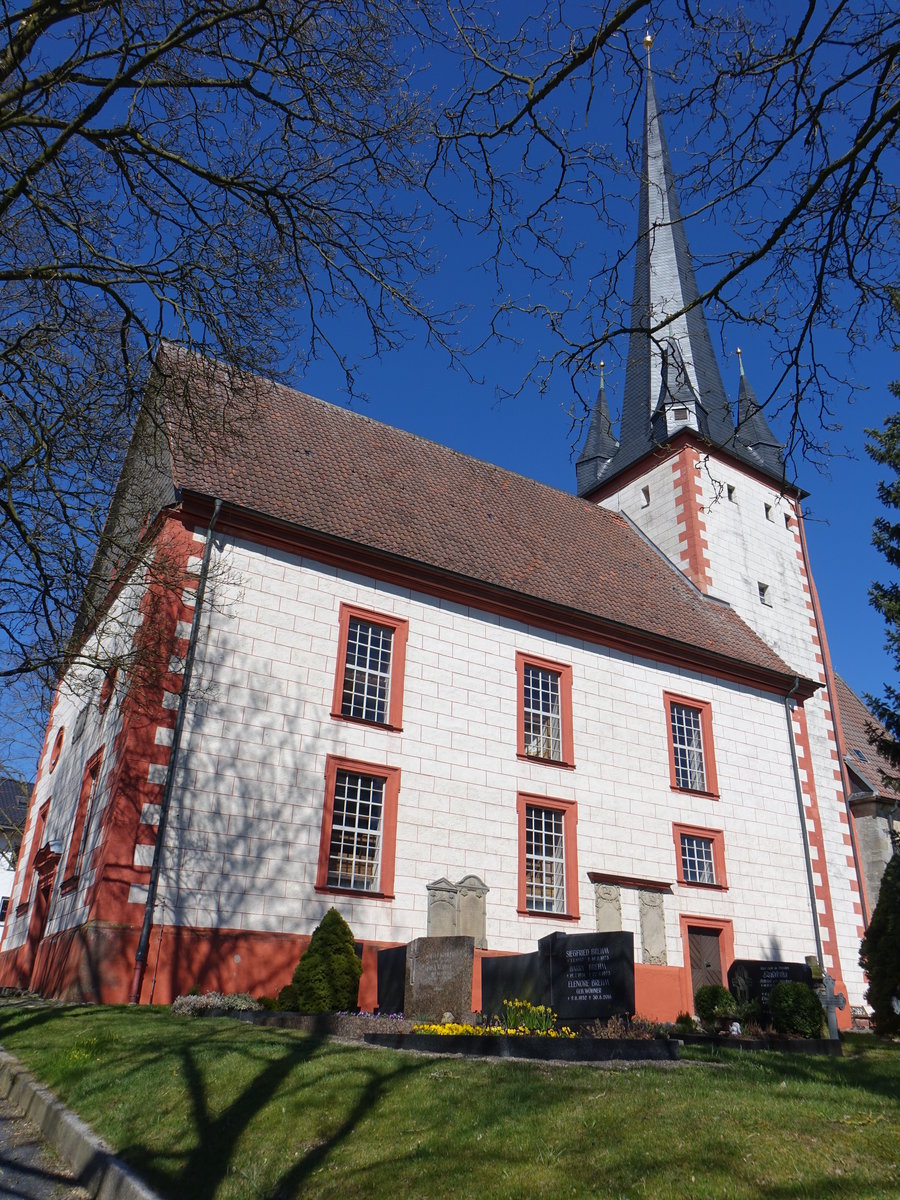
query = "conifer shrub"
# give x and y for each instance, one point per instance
(880, 952)
(796, 1009)
(712, 1002)
(326, 978)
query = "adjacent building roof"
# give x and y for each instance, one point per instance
(672, 378)
(336, 473)
(862, 758)
(14, 796)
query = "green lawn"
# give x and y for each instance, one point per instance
(214, 1108)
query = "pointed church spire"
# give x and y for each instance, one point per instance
(600, 445)
(672, 378)
(753, 430)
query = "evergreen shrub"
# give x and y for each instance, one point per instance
(796, 1009)
(880, 952)
(713, 1001)
(326, 978)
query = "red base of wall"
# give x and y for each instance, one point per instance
(95, 964)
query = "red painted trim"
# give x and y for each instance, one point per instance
(36, 840)
(388, 568)
(400, 630)
(391, 777)
(564, 671)
(832, 700)
(717, 838)
(89, 787)
(708, 745)
(569, 810)
(685, 471)
(629, 881)
(107, 688)
(726, 951)
(57, 749)
(816, 840)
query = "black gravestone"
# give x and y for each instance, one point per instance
(391, 979)
(581, 976)
(591, 974)
(753, 979)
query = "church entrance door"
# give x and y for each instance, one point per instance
(705, 956)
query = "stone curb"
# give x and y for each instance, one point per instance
(93, 1163)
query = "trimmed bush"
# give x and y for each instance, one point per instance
(327, 976)
(880, 952)
(713, 1001)
(796, 1010)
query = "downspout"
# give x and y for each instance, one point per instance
(835, 721)
(140, 958)
(801, 807)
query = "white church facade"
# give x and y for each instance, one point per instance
(415, 676)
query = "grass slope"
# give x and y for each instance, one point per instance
(216, 1109)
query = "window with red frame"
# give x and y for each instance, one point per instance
(371, 661)
(700, 856)
(86, 799)
(37, 838)
(691, 760)
(57, 749)
(548, 860)
(544, 726)
(359, 828)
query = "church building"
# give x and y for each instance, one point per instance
(345, 666)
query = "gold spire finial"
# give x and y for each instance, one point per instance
(740, 360)
(602, 365)
(648, 42)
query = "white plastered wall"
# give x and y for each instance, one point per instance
(243, 839)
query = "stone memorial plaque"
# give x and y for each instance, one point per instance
(591, 974)
(753, 979)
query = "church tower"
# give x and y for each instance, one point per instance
(706, 483)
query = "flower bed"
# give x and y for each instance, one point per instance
(490, 1044)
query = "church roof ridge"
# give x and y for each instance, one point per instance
(303, 462)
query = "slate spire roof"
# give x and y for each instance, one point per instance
(600, 445)
(753, 432)
(672, 378)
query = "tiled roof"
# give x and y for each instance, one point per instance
(337, 473)
(13, 803)
(862, 758)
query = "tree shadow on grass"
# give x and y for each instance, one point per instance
(210, 1160)
(881, 1077)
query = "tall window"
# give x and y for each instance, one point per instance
(543, 727)
(83, 813)
(371, 657)
(367, 671)
(356, 852)
(545, 860)
(690, 745)
(700, 856)
(545, 710)
(548, 871)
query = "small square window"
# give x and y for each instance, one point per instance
(769, 512)
(371, 662)
(732, 492)
(544, 710)
(787, 520)
(645, 497)
(700, 856)
(764, 594)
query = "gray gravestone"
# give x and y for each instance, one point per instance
(442, 908)
(470, 921)
(753, 979)
(439, 977)
(653, 928)
(608, 900)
